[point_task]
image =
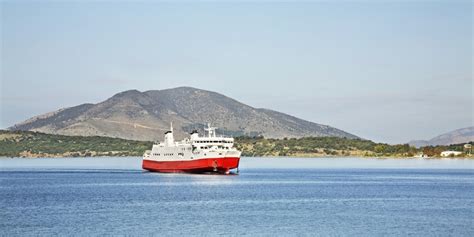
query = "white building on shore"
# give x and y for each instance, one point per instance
(450, 153)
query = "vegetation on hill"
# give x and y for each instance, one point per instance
(332, 146)
(34, 144)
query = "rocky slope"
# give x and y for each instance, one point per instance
(146, 115)
(463, 135)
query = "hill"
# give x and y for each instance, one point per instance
(463, 135)
(35, 144)
(146, 116)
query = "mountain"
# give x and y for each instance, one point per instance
(462, 135)
(147, 115)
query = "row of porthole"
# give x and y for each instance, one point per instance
(168, 154)
(165, 154)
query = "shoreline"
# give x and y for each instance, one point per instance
(260, 157)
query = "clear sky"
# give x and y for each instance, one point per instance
(391, 71)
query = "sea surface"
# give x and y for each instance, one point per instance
(269, 197)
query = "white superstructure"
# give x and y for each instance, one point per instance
(193, 148)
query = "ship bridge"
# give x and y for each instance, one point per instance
(211, 139)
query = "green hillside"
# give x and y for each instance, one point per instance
(33, 144)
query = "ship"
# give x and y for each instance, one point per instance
(196, 154)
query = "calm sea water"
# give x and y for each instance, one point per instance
(303, 197)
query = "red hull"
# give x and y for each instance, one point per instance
(221, 165)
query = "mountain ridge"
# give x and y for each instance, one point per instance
(145, 115)
(462, 135)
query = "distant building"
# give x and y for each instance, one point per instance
(421, 155)
(450, 153)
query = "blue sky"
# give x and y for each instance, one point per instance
(390, 72)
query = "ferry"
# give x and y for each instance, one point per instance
(196, 154)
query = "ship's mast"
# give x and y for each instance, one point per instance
(169, 138)
(211, 130)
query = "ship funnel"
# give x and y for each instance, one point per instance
(169, 138)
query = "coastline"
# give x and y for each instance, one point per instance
(34, 145)
(256, 157)
(134, 164)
